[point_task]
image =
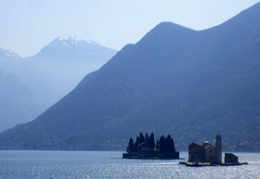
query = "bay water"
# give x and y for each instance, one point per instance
(103, 164)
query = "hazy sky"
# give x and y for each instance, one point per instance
(28, 25)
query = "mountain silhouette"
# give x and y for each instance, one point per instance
(190, 84)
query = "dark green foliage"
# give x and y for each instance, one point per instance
(146, 138)
(169, 144)
(147, 150)
(166, 144)
(131, 146)
(151, 141)
(137, 142)
(174, 80)
(162, 144)
(141, 138)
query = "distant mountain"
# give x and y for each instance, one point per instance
(59, 67)
(8, 58)
(17, 103)
(9, 55)
(190, 84)
(47, 76)
(66, 49)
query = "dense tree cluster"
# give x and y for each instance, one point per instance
(165, 144)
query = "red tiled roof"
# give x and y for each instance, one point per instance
(208, 146)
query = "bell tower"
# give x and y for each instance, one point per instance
(218, 149)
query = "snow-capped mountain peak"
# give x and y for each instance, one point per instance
(67, 41)
(63, 37)
(7, 54)
(74, 49)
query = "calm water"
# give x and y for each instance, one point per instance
(71, 164)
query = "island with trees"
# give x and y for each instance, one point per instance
(145, 147)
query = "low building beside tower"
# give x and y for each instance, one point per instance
(231, 158)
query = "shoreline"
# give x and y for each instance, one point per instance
(206, 164)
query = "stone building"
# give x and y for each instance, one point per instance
(206, 152)
(230, 158)
(197, 153)
(210, 153)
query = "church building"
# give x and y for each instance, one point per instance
(206, 152)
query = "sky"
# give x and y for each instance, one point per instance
(26, 26)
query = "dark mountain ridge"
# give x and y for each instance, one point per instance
(190, 84)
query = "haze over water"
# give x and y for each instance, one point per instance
(90, 164)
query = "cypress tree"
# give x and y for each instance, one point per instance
(146, 138)
(167, 144)
(137, 142)
(131, 145)
(161, 144)
(141, 138)
(151, 141)
(172, 148)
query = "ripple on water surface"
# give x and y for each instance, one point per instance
(88, 164)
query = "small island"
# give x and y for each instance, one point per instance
(145, 148)
(209, 155)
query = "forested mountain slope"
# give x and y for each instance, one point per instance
(190, 84)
